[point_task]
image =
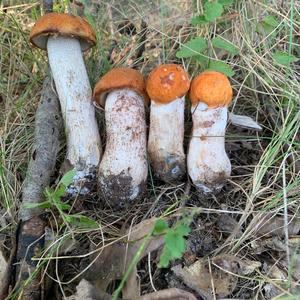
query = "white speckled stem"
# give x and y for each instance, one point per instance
(75, 95)
(165, 143)
(123, 169)
(207, 161)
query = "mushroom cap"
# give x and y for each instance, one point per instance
(65, 25)
(212, 88)
(119, 78)
(166, 83)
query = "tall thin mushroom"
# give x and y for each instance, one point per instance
(123, 168)
(166, 87)
(65, 37)
(207, 161)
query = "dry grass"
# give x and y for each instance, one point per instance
(263, 180)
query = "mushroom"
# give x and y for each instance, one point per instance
(123, 169)
(207, 161)
(65, 37)
(166, 87)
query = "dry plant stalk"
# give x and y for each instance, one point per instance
(48, 122)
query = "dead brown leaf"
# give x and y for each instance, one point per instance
(274, 226)
(86, 291)
(275, 277)
(228, 225)
(210, 278)
(274, 243)
(115, 259)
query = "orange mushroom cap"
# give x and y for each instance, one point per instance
(119, 78)
(166, 83)
(212, 88)
(65, 25)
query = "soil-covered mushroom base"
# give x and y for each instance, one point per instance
(120, 190)
(170, 167)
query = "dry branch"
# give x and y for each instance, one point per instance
(48, 123)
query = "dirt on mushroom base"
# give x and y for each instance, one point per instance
(119, 190)
(170, 168)
(214, 185)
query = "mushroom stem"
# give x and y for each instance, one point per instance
(165, 143)
(207, 161)
(75, 94)
(123, 169)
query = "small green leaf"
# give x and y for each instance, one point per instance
(160, 226)
(226, 2)
(81, 221)
(59, 192)
(199, 20)
(191, 48)
(48, 192)
(271, 21)
(165, 258)
(175, 243)
(62, 206)
(87, 222)
(43, 205)
(183, 229)
(220, 66)
(212, 10)
(225, 45)
(263, 28)
(284, 58)
(268, 25)
(67, 179)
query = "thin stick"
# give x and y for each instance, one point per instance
(40, 169)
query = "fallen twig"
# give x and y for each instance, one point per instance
(41, 166)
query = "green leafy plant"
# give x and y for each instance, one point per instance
(174, 237)
(220, 66)
(54, 201)
(224, 45)
(199, 20)
(192, 48)
(284, 58)
(268, 24)
(198, 49)
(212, 11)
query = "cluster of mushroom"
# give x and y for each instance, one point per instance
(123, 93)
